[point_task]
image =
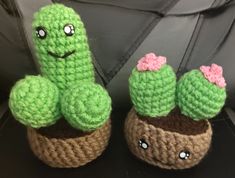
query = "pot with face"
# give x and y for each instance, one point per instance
(168, 126)
(165, 143)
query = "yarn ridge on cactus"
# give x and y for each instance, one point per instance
(153, 91)
(86, 106)
(69, 53)
(66, 90)
(65, 61)
(34, 101)
(197, 97)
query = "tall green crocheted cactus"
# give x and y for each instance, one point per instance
(66, 86)
(61, 46)
(201, 93)
(152, 86)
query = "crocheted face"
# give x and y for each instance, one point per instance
(163, 148)
(61, 45)
(185, 153)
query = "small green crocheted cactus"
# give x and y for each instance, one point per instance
(34, 97)
(86, 106)
(152, 86)
(66, 86)
(201, 93)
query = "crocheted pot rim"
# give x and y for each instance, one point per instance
(61, 130)
(163, 148)
(69, 152)
(176, 122)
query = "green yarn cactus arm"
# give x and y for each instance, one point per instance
(34, 101)
(152, 86)
(61, 46)
(201, 93)
(86, 106)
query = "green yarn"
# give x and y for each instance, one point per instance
(34, 101)
(65, 61)
(197, 97)
(153, 92)
(86, 106)
(75, 67)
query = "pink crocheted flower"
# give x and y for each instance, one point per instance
(214, 74)
(151, 62)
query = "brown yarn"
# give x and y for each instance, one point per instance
(69, 152)
(176, 122)
(164, 146)
(61, 130)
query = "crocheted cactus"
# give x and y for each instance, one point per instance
(86, 106)
(65, 59)
(201, 93)
(34, 101)
(152, 86)
(61, 46)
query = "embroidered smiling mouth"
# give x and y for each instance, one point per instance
(58, 56)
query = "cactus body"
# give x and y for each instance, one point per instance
(63, 53)
(65, 61)
(153, 91)
(197, 97)
(86, 106)
(34, 101)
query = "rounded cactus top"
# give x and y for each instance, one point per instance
(61, 46)
(201, 93)
(57, 29)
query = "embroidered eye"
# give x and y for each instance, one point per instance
(41, 32)
(143, 144)
(69, 29)
(184, 155)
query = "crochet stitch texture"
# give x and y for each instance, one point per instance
(164, 146)
(181, 138)
(153, 92)
(33, 97)
(197, 97)
(74, 68)
(65, 61)
(85, 106)
(69, 152)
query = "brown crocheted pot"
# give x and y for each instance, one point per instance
(64, 147)
(172, 142)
